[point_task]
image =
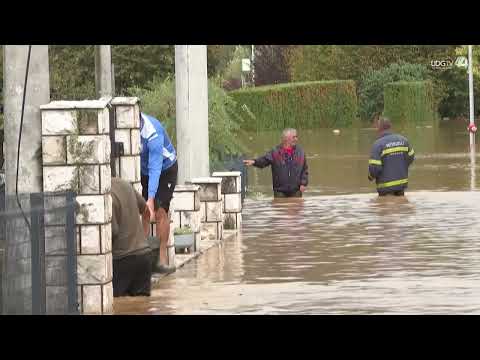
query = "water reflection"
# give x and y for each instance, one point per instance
(342, 249)
(337, 163)
(473, 169)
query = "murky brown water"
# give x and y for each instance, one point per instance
(341, 249)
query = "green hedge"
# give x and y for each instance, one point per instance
(306, 105)
(409, 102)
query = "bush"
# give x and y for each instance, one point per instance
(370, 92)
(159, 100)
(409, 102)
(308, 105)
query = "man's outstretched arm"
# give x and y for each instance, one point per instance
(261, 161)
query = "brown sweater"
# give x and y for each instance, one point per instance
(128, 237)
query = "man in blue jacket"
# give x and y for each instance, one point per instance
(159, 170)
(389, 161)
(289, 166)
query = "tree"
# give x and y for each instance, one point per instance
(230, 77)
(72, 68)
(271, 64)
(137, 65)
(343, 62)
(72, 72)
(225, 117)
(463, 51)
(456, 99)
(218, 58)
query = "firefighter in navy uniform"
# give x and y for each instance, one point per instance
(390, 158)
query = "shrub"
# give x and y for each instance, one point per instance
(409, 102)
(308, 105)
(370, 92)
(159, 100)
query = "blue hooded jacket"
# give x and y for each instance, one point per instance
(157, 154)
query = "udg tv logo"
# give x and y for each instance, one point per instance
(442, 64)
(445, 64)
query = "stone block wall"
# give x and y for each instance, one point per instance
(186, 210)
(76, 156)
(232, 199)
(127, 131)
(211, 207)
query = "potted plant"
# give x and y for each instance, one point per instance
(184, 238)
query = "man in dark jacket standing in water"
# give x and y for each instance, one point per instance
(289, 166)
(390, 158)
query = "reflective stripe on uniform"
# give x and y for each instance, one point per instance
(411, 152)
(394, 150)
(392, 183)
(375, 162)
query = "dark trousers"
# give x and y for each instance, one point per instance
(132, 275)
(394, 193)
(281, 194)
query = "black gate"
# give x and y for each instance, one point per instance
(234, 163)
(39, 254)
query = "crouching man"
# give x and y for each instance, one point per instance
(132, 264)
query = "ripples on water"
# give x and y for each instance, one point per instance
(337, 254)
(342, 249)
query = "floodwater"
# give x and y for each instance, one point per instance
(342, 249)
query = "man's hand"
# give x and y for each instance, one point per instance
(370, 177)
(249, 162)
(302, 188)
(151, 208)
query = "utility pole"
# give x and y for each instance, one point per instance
(17, 276)
(103, 71)
(253, 65)
(38, 93)
(470, 88)
(191, 84)
(113, 80)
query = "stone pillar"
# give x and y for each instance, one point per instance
(76, 156)
(127, 131)
(191, 84)
(186, 210)
(211, 205)
(232, 199)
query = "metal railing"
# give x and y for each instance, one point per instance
(234, 163)
(39, 257)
